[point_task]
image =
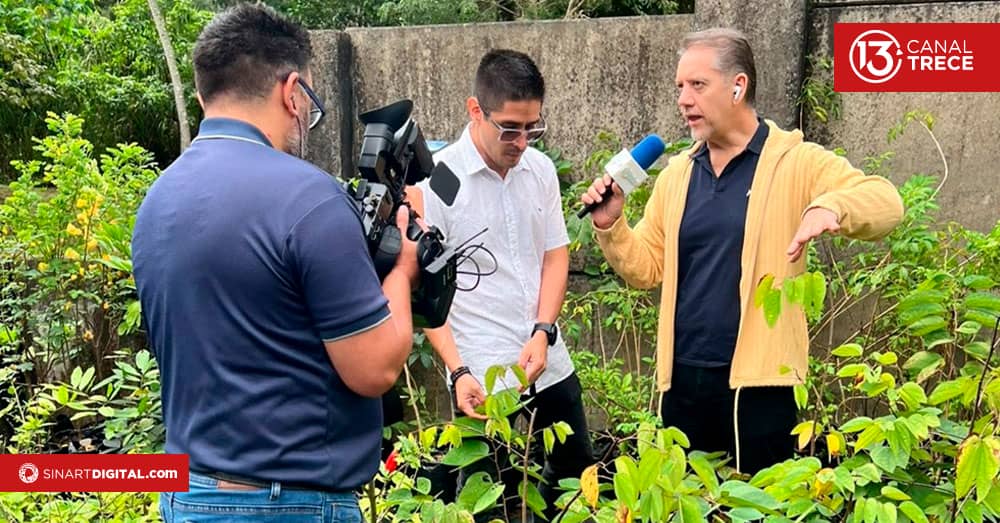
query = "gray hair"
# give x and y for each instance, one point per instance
(733, 53)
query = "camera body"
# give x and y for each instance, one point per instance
(394, 154)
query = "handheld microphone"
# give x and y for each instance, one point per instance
(628, 169)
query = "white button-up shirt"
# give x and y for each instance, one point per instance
(523, 214)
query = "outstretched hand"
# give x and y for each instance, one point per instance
(815, 222)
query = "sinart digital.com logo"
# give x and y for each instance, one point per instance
(28, 473)
(876, 56)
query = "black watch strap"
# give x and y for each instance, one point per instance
(458, 373)
(550, 330)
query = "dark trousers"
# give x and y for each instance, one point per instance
(700, 403)
(560, 402)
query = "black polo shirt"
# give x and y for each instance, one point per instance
(246, 259)
(710, 246)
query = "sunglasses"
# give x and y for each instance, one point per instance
(511, 134)
(317, 112)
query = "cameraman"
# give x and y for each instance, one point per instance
(273, 336)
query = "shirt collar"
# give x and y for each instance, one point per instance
(756, 144)
(474, 161)
(216, 128)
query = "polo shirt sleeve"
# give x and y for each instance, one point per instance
(555, 226)
(329, 257)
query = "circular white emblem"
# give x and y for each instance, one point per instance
(28, 473)
(875, 56)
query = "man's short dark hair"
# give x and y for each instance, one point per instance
(507, 76)
(244, 50)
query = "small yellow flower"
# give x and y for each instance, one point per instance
(80, 271)
(73, 230)
(5, 230)
(106, 257)
(71, 254)
(88, 335)
(105, 306)
(42, 267)
(82, 217)
(67, 306)
(92, 245)
(81, 203)
(72, 278)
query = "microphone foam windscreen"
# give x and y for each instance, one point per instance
(648, 150)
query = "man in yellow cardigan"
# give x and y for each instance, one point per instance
(742, 203)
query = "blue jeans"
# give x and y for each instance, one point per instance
(204, 502)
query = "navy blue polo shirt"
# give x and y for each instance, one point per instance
(246, 259)
(710, 246)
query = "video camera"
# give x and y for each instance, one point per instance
(394, 154)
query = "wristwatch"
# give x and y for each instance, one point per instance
(550, 330)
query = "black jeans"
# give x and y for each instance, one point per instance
(701, 404)
(560, 402)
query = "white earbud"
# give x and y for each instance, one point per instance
(736, 93)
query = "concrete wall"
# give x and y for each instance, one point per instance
(617, 75)
(967, 124)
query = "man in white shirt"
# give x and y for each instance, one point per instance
(510, 190)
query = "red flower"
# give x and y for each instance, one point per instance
(390, 462)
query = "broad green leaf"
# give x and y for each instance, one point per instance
(978, 282)
(562, 429)
(772, 307)
(742, 494)
(548, 439)
(888, 358)
(423, 485)
(913, 395)
(469, 452)
(927, 325)
(856, 424)
(690, 510)
(983, 301)
(705, 472)
(852, 370)
(491, 377)
(894, 493)
(427, 437)
(801, 396)
(872, 434)
(531, 496)
(765, 286)
(650, 465)
(969, 327)
(451, 435)
(745, 514)
(625, 487)
(479, 493)
(912, 511)
(945, 391)
(817, 295)
(522, 378)
(848, 350)
(979, 350)
(923, 364)
(978, 464)
(887, 513)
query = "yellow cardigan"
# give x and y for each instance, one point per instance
(792, 176)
